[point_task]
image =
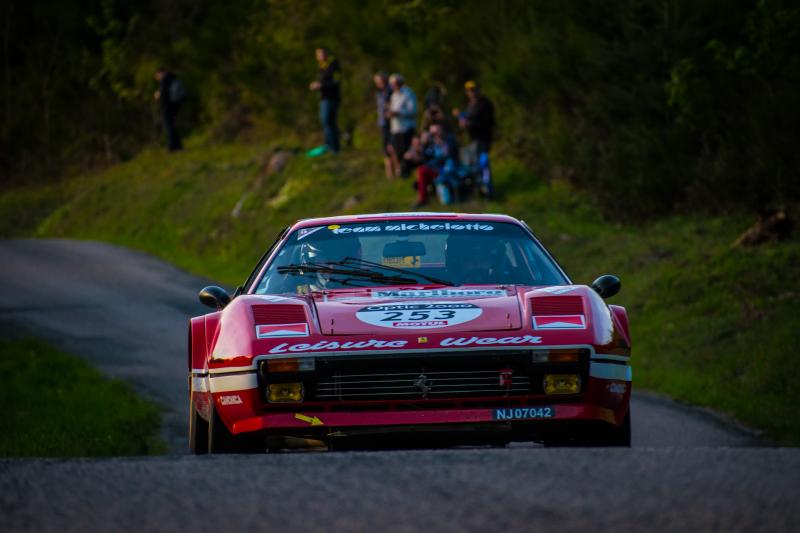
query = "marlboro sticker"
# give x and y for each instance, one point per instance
(270, 331)
(559, 322)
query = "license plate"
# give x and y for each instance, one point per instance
(524, 413)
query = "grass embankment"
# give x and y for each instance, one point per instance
(55, 405)
(712, 325)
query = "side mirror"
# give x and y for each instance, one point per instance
(215, 297)
(607, 286)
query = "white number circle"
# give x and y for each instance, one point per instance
(420, 315)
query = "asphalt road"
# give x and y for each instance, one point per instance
(126, 312)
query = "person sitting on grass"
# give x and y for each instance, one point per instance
(440, 164)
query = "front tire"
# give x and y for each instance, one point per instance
(613, 436)
(220, 440)
(623, 435)
(198, 431)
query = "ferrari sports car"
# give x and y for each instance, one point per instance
(399, 327)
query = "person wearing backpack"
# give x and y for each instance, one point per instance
(171, 92)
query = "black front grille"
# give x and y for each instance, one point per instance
(425, 376)
(422, 384)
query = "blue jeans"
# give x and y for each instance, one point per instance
(328, 110)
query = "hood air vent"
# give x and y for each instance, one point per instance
(278, 314)
(557, 305)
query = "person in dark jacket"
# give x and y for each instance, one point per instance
(170, 93)
(328, 85)
(478, 120)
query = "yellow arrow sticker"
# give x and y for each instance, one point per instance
(313, 420)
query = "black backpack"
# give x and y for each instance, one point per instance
(177, 91)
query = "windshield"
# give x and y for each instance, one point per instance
(416, 252)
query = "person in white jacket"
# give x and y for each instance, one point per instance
(402, 114)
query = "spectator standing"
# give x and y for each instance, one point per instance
(478, 118)
(170, 94)
(478, 121)
(383, 94)
(328, 85)
(435, 95)
(402, 120)
(434, 114)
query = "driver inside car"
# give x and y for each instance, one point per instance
(476, 261)
(323, 252)
(312, 253)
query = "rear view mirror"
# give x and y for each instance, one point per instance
(214, 297)
(607, 286)
(404, 249)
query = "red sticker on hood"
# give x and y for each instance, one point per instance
(270, 331)
(559, 322)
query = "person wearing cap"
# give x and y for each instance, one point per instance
(478, 120)
(402, 114)
(328, 85)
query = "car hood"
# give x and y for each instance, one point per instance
(410, 310)
(353, 320)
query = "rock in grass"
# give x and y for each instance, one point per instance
(774, 226)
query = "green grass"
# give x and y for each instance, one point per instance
(712, 325)
(55, 405)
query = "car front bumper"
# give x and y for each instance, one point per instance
(326, 422)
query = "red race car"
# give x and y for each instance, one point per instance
(456, 327)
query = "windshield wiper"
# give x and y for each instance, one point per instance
(332, 279)
(350, 271)
(355, 260)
